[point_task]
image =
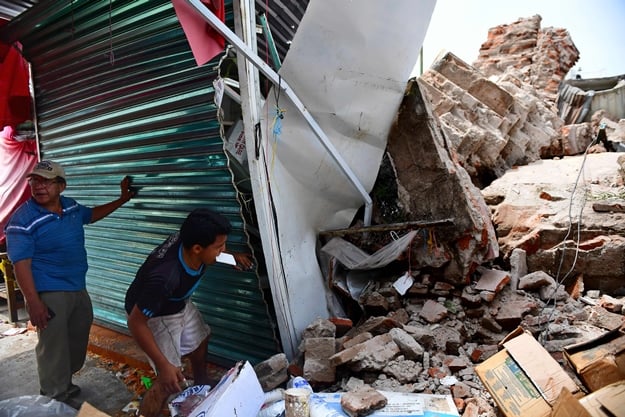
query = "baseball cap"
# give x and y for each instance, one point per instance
(48, 169)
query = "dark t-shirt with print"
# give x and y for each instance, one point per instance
(162, 284)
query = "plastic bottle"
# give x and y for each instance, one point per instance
(299, 382)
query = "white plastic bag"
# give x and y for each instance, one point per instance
(35, 406)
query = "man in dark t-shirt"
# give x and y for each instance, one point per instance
(161, 317)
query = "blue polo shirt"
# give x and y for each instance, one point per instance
(55, 244)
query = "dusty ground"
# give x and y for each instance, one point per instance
(113, 379)
(107, 385)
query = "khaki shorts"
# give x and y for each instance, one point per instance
(179, 334)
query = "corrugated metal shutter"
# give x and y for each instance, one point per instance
(611, 101)
(283, 17)
(11, 8)
(118, 93)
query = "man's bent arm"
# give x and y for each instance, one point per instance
(169, 374)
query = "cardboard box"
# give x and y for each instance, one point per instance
(568, 405)
(608, 401)
(238, 394)
(600, 361)
(523, 378)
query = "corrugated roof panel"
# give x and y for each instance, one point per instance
(283, 17)
(611, 101)
(11, 8)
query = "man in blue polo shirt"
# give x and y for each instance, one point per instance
(46, 244)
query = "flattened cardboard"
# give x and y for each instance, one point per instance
(544, 371)
(238, 394)
(609, 401)
(612, 398)
(600, 361)
(87, 410)
(523, 378)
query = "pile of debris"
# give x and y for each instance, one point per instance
(429, 339)
(509, 107)
(459, 145)
(459, 130)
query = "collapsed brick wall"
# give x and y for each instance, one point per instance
(490, 124)
(545, 55)
(501, 111)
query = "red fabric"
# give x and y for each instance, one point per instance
(17, 159)
(205, 42)
(15, 102)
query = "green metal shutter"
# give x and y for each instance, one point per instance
(118, 93)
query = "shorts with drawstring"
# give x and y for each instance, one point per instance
(179, 334)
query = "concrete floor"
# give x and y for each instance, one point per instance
(99, 386)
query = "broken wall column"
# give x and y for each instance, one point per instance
(432, 186)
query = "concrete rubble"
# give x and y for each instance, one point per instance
(501, 111)
(569, 228)
(494, 127)
(424, 165)
(429, 343)
(544, 55)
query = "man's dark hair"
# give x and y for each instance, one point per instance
(202, 226)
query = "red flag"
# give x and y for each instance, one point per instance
(205, 42)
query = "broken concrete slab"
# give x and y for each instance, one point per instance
(317, 366)
(362, 401)
(272, 372)
(433, 312)
(546, 227)
(424, 164)
(491, 279)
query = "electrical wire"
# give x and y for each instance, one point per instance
(559, 281)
